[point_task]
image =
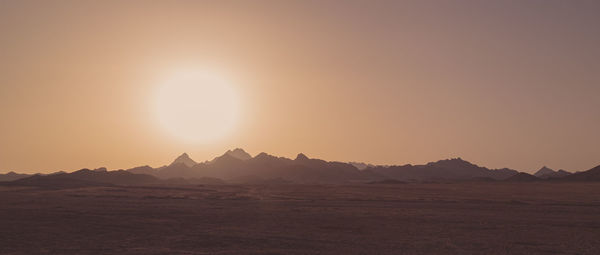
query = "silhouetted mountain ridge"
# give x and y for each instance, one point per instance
(87, 177)
(230, 166)
(237, 166)
(11, 176)
(447, 169)
(592, 175)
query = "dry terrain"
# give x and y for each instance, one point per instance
(458, 218)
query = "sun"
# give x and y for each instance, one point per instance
(196, 106)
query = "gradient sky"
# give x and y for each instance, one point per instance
(499, 83)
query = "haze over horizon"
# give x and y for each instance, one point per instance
(500, 84)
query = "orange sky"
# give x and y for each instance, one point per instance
(506, 84)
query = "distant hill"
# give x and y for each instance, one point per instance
(86, 177)
(592, 175)
(59, 181)
(522, 177)
(449, 169)
(11, 176)
(143, 170)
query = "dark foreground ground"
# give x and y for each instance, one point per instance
(475, 218)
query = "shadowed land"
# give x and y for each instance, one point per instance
(456, 218)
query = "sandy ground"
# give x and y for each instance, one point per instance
(467, 218)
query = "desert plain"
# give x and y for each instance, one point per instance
(412, 218)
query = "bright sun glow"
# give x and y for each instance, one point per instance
(196, 106)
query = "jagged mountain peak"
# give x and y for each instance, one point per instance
(264, 155)
(184, 159)
(239, 154)
(544, 171)
(301, 156)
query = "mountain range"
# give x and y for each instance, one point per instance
(237, 166)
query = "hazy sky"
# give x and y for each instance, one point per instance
(499, 83)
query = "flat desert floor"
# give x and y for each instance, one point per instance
(459, 218)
